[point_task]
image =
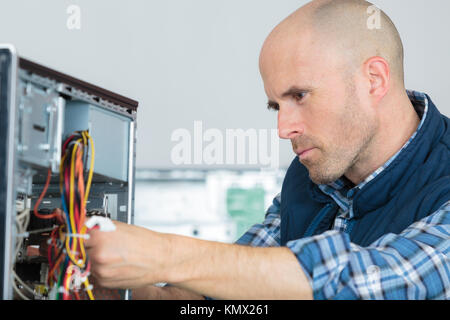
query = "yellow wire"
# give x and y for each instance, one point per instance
(84, 228)
(83, 252)
(72, 178)
(72, 257)
(91, 168)
(61, 171)
(69, 250)
(82, 249)
(71, 202)
(71, 213)
(88, 187)
(84, 137)
(88, 290)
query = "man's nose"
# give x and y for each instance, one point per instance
(289, 125)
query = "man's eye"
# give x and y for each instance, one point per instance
(299, 96)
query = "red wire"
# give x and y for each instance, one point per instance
(38, 202)
(49, 249)
(77, 217)
(65, 143)
(93, 228)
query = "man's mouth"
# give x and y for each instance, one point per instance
(303, 153)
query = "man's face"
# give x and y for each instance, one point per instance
(319, 108)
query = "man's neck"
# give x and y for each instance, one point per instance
(398, 122)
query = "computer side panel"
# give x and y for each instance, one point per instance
(8, 82)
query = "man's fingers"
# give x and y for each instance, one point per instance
(92, 239)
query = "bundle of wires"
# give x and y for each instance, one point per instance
(68, 263)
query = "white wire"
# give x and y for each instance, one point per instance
(21, 227)
(19, 292)
(34, 293)
(22, 214)
(22, 221)
(24, 284)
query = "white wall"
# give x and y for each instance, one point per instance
(198, 59)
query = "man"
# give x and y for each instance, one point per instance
(364, 211)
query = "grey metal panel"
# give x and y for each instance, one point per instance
(131, 172)
(131, 178)
(8, 82)
(40, 126)
(110, 133)
(74, 94)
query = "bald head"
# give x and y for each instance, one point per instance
(333, 70)
(354, 30)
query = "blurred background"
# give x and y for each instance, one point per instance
(197, 60)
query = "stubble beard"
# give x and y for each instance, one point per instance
(339, 156)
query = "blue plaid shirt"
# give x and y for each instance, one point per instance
(414, 264)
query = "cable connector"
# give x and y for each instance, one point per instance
(104, 224)
(78, 235)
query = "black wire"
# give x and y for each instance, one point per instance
(85, 160)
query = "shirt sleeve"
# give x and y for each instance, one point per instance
(266, 234)
(414, 264)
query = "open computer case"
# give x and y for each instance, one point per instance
(44, 113)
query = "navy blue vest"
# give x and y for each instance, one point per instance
(412, 187)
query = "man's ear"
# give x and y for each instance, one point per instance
(378, 72)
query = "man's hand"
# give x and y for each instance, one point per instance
(129, 257)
